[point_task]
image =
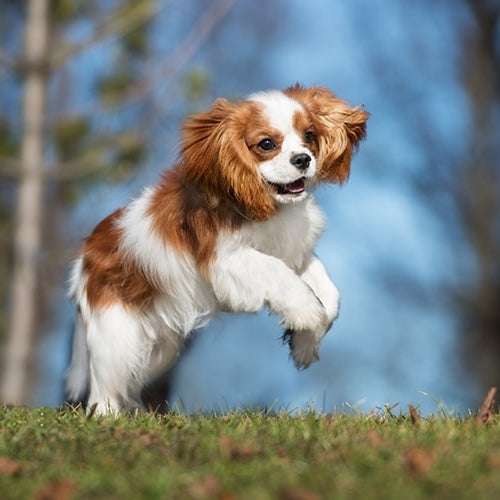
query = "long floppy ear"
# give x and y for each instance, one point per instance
(339, 128)
(215, 158)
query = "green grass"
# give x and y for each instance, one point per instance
(49, 453)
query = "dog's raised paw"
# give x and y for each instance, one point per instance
(303, 347)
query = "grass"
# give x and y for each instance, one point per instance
(59, 454)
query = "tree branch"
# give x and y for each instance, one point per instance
(193, 41)
(63, 172)
(114, 26)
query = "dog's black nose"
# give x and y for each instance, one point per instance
(301, 161)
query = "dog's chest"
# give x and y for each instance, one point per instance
(290, 235)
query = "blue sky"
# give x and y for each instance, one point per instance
(385, 347)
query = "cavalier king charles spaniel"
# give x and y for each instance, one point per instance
(231, 227)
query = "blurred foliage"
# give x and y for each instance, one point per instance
(69, 135)
(8, 147)
(196, 84)
(136, 42)
(112, 89)
(63, 11)
(131, 148)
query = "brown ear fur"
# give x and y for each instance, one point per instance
(216, 158)
(339, 129)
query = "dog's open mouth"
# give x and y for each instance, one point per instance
(295, 187)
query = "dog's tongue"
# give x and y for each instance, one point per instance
(294, 187)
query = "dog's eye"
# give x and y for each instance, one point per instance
(309, 136)
(267, 144)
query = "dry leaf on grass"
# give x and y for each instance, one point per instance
(205, 488)
(9, 467)
(298, 494)
(419, 461)
(60, 489)
(145, 438)
(493, 460)
(230, 449)
(414, 415)
(281, 452)
(487, 409)
(374, 438)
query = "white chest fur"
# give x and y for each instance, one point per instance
(290, 235)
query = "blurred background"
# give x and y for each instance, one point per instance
(92, 95)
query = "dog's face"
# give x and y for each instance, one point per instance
(272, 148)
(282, 142)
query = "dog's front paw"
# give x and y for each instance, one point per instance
(304, 346)
(308, 314)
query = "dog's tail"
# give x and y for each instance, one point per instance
(77, 374)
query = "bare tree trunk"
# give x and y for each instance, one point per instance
(18, 356)
(479, 201)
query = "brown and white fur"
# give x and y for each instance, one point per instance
(231, 227)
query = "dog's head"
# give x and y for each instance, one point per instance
(272, 148)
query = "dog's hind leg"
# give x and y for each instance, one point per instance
(117, 349)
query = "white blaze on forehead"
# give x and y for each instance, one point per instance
(280, 170)
(278, 109)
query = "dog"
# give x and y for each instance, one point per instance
(230, 227)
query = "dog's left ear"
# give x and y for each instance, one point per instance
(339, 128)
